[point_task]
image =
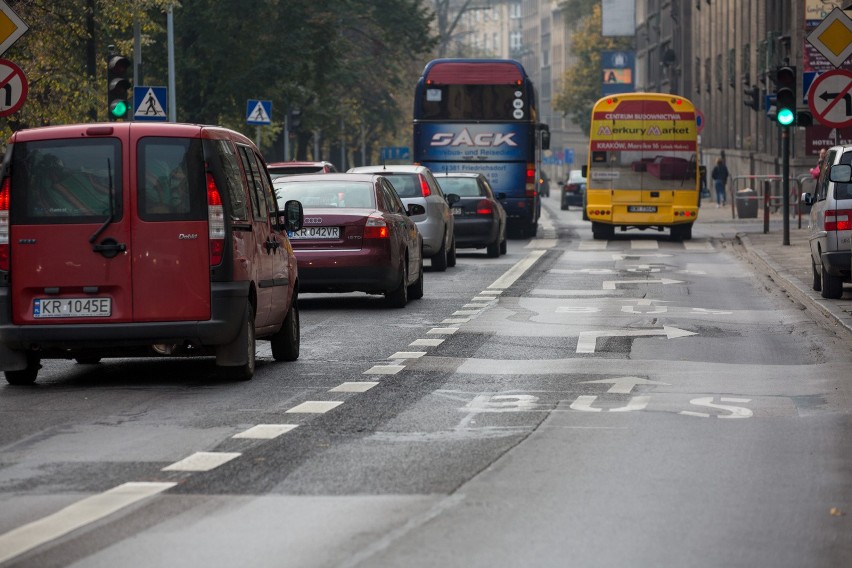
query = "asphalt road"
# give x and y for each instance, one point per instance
(637, 402)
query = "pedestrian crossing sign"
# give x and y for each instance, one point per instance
(149, 103)
(259, 112)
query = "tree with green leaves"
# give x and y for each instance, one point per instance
(581, 84)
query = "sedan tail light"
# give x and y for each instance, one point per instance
(215, 221)
(838, 219)
(425, 190)
(484, 207)
(376, 228)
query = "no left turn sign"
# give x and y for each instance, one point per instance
(830, 98)
(13, 87)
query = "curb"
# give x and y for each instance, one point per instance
(795, 287)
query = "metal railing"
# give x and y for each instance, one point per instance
(750, 191)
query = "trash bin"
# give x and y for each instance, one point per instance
(746, 202)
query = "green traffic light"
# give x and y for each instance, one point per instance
(118, 109)
(786, 117)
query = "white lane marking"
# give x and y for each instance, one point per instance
(384, 370)
(511, 275)
(624, 256)
(477, 306)
(547, 292)
(584, 403)
(426, 342)
(587, 341)
(466, 312)
(315, 407)
(502, 403)
(644, 245)
(611, 284)
(491, 292)
(265, 431)
(354, 386)
(202, 461)
(455, 320)
(691, 245)
(541, 244)
(707, 401)
(76, 515)
(407, 355)
(624, 385)
(592, 245)
(442, 331)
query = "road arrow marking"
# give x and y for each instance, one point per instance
(624, 385)
(587, 341)
(611, 284)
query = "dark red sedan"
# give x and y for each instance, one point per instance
(357, 236)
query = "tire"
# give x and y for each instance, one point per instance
(563, 204)
(398, 297)
(533, 229)
(286, 342)
(415, 291)
(248, 345)
(439, 261)
(451, 255)
(493, 250)
(832, 286)
(681, 232)
(817, 278)
(504, 245)
(88, 360)
(25, 376)
(601, 231)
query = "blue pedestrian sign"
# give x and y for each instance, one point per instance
(258, 112)
(150, 103)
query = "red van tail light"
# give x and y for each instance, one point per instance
(530, 181)
(215, 221)
(425, 190)
(484, 207)
(376, 228)
(837, 219)
(4, 225)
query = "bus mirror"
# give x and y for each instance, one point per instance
(585, 170)
(545, 136)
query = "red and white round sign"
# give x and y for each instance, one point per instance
(13, 87)
(830, 98)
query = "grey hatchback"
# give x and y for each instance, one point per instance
(830, 223)
(416, 184)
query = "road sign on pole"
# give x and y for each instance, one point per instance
(150, 103)
(833, 37)
(11, 27)
(258, 112)
(830, 98)
(13, 87)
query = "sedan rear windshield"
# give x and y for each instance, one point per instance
(463, 187)
(319, 194)
(66, 181)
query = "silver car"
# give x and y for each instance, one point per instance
(416, 184)
(830, 223)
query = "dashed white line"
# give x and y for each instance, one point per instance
(426, 342)
(512, 275)
(384, 370)
(354, 386)
(315, 407)
(407, 355)
(265, 431)
(466, 312)
(202, 461)
(442, 331)
(644, 245)
(455, 320)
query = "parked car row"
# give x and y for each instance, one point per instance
(142, 239)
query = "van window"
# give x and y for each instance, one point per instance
(66, 181)
(171, 180)
(843, 190)
(271, 202)
(252, 170)
(233, 179)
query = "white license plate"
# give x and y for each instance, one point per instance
(316, 233)
(456, 210)
(642, 209)
(72, 307)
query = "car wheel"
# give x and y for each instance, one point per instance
(601, 231)
(817, 278)
(451, 255)
(398, 297)
(832, 286)
(415, 291)
(87, 360)
(286, 342)
(563, 204)
(26, 376)
(244, 347)
(504, 246)
(439, 261)
(493, 250)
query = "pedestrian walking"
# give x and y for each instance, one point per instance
(816, 169)
(719, 175)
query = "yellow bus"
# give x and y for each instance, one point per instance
(642, 171)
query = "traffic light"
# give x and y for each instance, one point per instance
(751, 97)
(785, 94)
(118, 86)
(295, 122)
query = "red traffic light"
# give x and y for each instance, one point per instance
(785, 76)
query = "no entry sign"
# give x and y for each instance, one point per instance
(13, 87)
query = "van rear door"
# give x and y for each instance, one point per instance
(69, 230)
(170, 238)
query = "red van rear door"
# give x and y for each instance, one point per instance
(69, 230)
(170, 237)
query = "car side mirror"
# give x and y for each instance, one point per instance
(501, 195)
(293, 215)
(452, 198)
(840, 173)
(415, 209)
(807, 199)
(585, 171)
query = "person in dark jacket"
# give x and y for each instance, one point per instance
(719, 175)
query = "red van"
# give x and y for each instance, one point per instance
(130, 239)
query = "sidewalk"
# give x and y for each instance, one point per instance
(790, 264)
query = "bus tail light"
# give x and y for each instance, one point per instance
(215, 221)
(376, 228)
(4, 225)
(425, 190)
(835, 219)
(530, 181)
(484, 207)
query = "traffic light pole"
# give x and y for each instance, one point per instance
(785, 181)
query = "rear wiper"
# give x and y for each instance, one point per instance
(109, 219)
